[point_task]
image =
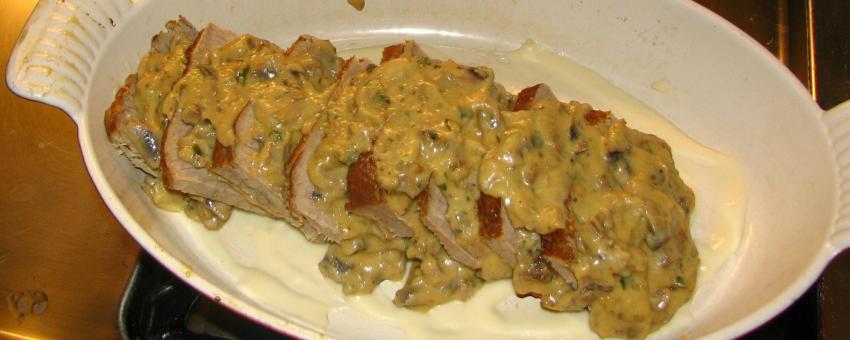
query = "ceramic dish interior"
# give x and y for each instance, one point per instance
(720, 88)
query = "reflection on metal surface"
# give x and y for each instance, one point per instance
(11, 335)
(64, 260)
(810, 52)
(782, 31)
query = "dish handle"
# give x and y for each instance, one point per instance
(837, 121)
(54, 57)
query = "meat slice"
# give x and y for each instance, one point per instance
(303, 196)
(434, 212)
(526, 98)
(366, 198)
(182, 176)
(132, 137)
(409, 48)
(210, 38)
(301, 45)
(361, 178)
(365, 195)
(557, 248)
(495, 228)
(126, 127)
(234, 165)
(304, 200)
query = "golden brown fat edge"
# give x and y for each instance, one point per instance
(363, 189)
(366, 198)
(489, 215)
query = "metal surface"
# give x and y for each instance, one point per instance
(830, 45)
(64, 260)
(57, 238)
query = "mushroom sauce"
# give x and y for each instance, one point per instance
(611, 192)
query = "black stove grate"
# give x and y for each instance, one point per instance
(158, 305)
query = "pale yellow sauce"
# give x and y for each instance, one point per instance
(618, 191)
(459, 319)
(287, 93)
(423, 120)
(157, 74)
(210, 213)
(434, 278)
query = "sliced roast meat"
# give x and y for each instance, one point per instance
(495, 224)
(137, 131)
(252, 153)
(303, 196)
(180, 175)
(234, 165)
(183, 176)
(407, 49)
(435, 209)
(495, 228)
(558, 249)
(366, 198)
(526, 98)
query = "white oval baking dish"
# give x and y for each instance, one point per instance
(728, 93)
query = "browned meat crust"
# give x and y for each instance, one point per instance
(595, 116)
(557, 245)
(489, 216)
(125, 125)
(182, 176)
(365, 196)
(495, 228)
(435, 219)
(363, 188)
(303, 197)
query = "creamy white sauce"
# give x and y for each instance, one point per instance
(275, 267)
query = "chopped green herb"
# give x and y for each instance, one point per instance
(424, 61)
(536, 141)
(442, 186)
(350, 156)
(197, 149)
(190, 203)
(242, 76)
(625, 281)
(464, 114)
(275, 136)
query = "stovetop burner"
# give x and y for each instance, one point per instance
(158, 305)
